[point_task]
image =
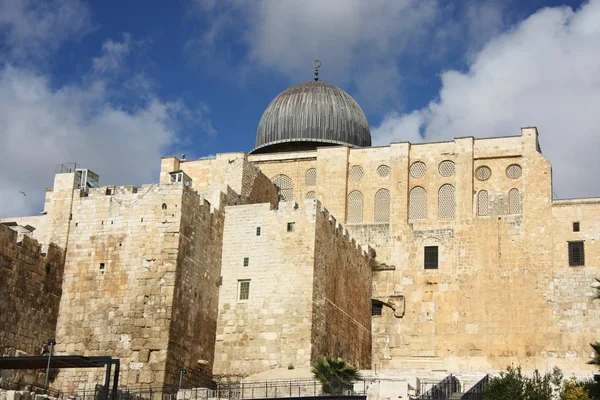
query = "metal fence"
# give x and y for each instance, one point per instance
(443, 390)
(476, 392)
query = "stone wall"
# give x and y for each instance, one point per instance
(31, 290)
(341, 295)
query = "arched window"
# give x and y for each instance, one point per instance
(382, 205)
(355, 207)
(311, 177)
(483, 207)
(417, 208)
(286, 187)
(514, 201)
(310, 195)
(446, 203)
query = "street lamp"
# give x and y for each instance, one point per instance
(51, 343)
(182, 372)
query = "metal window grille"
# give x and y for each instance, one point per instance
(246, 261)
(513, 171)
(355, 207)
(576, 254)
(244, 290)
(310, 195)
(258, 231)
(446, 202)
(418, 169)
(356, 173)
(431, 257)
(311, 177)
(446, 168)
(417, 203)
(575, 226)
(376, 308)
(286, 187)
(483, 173)
(483, 207)
(383, 171)
(514, 201)
(382, 205)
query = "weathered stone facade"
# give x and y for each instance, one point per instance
(31, 284)
(309, 290)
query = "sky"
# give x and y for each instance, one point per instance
(114, 85)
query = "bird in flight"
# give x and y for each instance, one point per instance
(20, 191)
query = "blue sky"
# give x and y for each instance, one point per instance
(115, 85)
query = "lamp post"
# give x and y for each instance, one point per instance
(182, 372)
(51, 343)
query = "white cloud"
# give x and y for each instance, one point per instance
(31, 30)
(544, 72)
(113, 55)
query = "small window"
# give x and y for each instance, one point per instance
(164, 206)
(431, 257)
(258, 231)
(244, 290)
(575, 226)
(101, 266)
(576, 254)
(246, 261)
(376, 308)
(291, 226)
(108, 192)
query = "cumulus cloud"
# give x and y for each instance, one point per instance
(31, 30)
(542, 73)
(113, 55)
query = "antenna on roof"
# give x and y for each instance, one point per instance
(317, 64)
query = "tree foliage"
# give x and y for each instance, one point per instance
(513, 385)
(335, 374)
(596, 359)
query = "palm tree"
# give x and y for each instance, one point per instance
(596, 359)
(335, 374)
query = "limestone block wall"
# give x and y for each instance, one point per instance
(31, 291)
(341, 324)
(272, 327)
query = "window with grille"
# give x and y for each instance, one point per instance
(575, 226)
(383, 171)
(291, 226)
(246, 261)
(244, 289)
(483, 207)
(417, 207)
(514, 201)
(286, 187)
(483, 173)
(576, 254)
(376, 308)
(446, 168)
(310, 195)
(355, 207)
(513, 171)
(418, 169)
(311, 177)
(431, 257)
(382, 205)
(258, 231)
(446, 202)
(356, 173)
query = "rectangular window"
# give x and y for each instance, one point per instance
(576, 254)
(244, 289)
(376, 308)
(431, 257)
(258, 231)
(290, 226)
(246, 261)
(575, 226)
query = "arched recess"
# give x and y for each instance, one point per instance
(286, 187)
(417, 208)
(483, 205)
(514, 201)
(382, 206)
(355, 207)
(446, 202)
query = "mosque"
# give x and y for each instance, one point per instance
(449, 256)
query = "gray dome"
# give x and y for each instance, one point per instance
(309, 115)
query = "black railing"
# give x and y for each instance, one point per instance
(476, 392)
(442, 390)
